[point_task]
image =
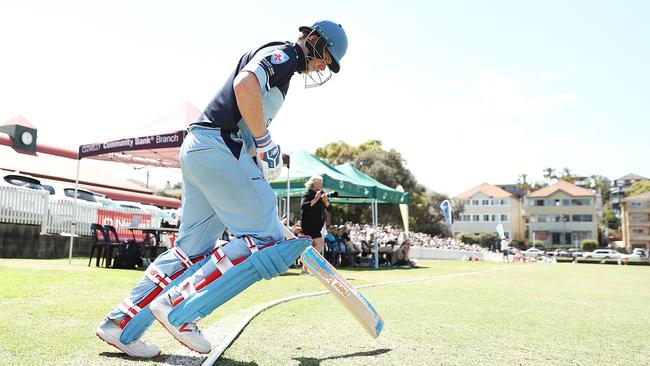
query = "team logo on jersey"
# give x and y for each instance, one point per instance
(279, 57)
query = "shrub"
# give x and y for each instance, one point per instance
(468, 238)
(486, 239)
(589, 245)
(483, 239)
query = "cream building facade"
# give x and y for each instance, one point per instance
(563, 214)
(485, 206)
(635, 221)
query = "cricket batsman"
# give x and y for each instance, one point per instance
(227, 159)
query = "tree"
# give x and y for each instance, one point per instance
(567, 175)
(337, 153)
(522, 183)
(389, 168)
(549, 174)
(600, 183)
(610, 219)
(638, 188)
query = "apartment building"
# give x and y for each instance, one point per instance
(618, 190)
(635, 221)
(562, 213)
(485, 206)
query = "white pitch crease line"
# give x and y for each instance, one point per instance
(225, 343)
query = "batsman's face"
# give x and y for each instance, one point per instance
(316, 64)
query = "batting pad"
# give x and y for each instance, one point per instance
(267, 263)
(143, 319)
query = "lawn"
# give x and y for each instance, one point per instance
(520, 314)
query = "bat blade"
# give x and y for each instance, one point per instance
(349, 296)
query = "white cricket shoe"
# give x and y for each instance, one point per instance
(188, 333)
(110, 333)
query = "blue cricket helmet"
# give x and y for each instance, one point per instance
(334, 35)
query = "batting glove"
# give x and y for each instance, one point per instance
(269, 156)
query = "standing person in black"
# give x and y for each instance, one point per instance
(312, 211)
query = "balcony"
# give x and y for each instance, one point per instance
(639, 237)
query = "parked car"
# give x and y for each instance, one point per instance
(21, 180)
(174, 217)
(62, 192)
(533, 252)
(17, 206)
(163, 217)
(602, 254)
(571, 252)
(108, 204)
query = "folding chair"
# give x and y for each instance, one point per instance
(103, 245)
(99, 242)
(113, 243)
(135, 221)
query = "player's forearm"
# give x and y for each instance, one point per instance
(249, 101)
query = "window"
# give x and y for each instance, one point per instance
(468, 202)
(581, 202)
(495, 202)
(474, 202)
(486, 217)
(539, 202)
(467, 218)
(505, 203)
(582, 218)
(476, 218)
(637, 231)
(494, 217)
(635, 204)
(566, 202)
(504, 218)
(485, 202)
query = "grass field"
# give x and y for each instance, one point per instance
(521, 314)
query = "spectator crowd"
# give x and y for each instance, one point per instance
(387, 235)
(351, 244)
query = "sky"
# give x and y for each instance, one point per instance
(467, 91)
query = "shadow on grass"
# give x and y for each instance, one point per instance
(228, 362)
(307, 361)
(162, 359)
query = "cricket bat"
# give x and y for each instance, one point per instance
(343, 290)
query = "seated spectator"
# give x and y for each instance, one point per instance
(401, 256)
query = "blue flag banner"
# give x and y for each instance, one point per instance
(445, 207)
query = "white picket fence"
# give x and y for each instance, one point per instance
(20, 205)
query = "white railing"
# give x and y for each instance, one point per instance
(20, 205)
(62, 217)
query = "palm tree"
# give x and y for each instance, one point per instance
(523, 184)
(549, 174)
(567, 175)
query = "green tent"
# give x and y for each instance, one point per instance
(381, 192)
(353, 185)
(304, 165)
